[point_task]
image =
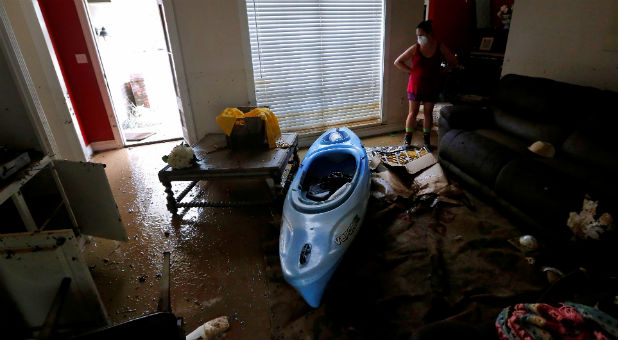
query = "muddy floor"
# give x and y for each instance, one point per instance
(217, 258)
(404, 269)
(217, 264)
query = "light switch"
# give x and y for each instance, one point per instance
(81, 58)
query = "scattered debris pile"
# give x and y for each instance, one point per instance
(401, 173)
(585, 224)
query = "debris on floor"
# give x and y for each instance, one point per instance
(386, 185)
(430, 181)
(400, 156)
(389, 181)
(585, 224)
(210, 330)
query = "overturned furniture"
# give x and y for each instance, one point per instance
(47, 208)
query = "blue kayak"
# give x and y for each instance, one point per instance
(323, 211)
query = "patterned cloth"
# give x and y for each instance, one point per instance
(539, 321)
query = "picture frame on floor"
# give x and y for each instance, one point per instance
(486, 43)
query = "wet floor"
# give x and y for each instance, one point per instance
(217, 263)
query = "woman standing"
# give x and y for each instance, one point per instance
(424, 82)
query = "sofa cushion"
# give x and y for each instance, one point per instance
(477, 155)
(593, 150)
(514, 143)
(530, 130)
(539, 190)
(527, 96)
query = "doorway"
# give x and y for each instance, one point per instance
(134, 51)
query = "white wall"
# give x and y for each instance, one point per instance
(46, 77)
(401, 18)
(16, 130)
(217, 63)
(572, 41)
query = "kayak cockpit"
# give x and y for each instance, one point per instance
(327, 180)
(328, 176)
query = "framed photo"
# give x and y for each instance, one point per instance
(486, 43)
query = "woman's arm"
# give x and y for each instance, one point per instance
(451, 60)
(400, 62)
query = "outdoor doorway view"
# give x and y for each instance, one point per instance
(136, 59)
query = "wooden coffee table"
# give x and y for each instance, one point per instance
(219, 162)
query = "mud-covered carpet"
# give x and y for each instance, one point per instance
(406, 270)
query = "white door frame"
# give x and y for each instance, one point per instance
(93, 52)
(46, 95)
(189, 130)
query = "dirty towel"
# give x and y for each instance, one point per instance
(555, 321)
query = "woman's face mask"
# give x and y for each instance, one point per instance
(422, 39)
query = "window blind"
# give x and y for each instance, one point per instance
(317, 63)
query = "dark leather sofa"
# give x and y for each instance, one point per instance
(486, 147)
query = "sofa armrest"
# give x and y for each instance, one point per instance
(466, 117)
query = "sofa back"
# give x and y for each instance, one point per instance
(575, 119)
(540, 99)
(526, 97)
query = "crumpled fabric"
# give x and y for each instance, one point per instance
(273, 132)
(227, 119)
(568, 320)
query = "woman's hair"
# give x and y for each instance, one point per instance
(425, 26)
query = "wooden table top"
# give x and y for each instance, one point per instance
(214, 157)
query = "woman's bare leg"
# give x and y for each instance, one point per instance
(414, 107)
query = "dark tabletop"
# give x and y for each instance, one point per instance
(215, 158)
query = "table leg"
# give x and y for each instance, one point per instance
(171, 201)
(295, 164)
(274, 187)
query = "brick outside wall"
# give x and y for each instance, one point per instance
(138, 88)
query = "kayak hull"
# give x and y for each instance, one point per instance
(316, 232)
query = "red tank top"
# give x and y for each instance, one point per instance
(425, 77)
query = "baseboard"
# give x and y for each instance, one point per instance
(306, 139)
(89, 152)
(104, 145)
